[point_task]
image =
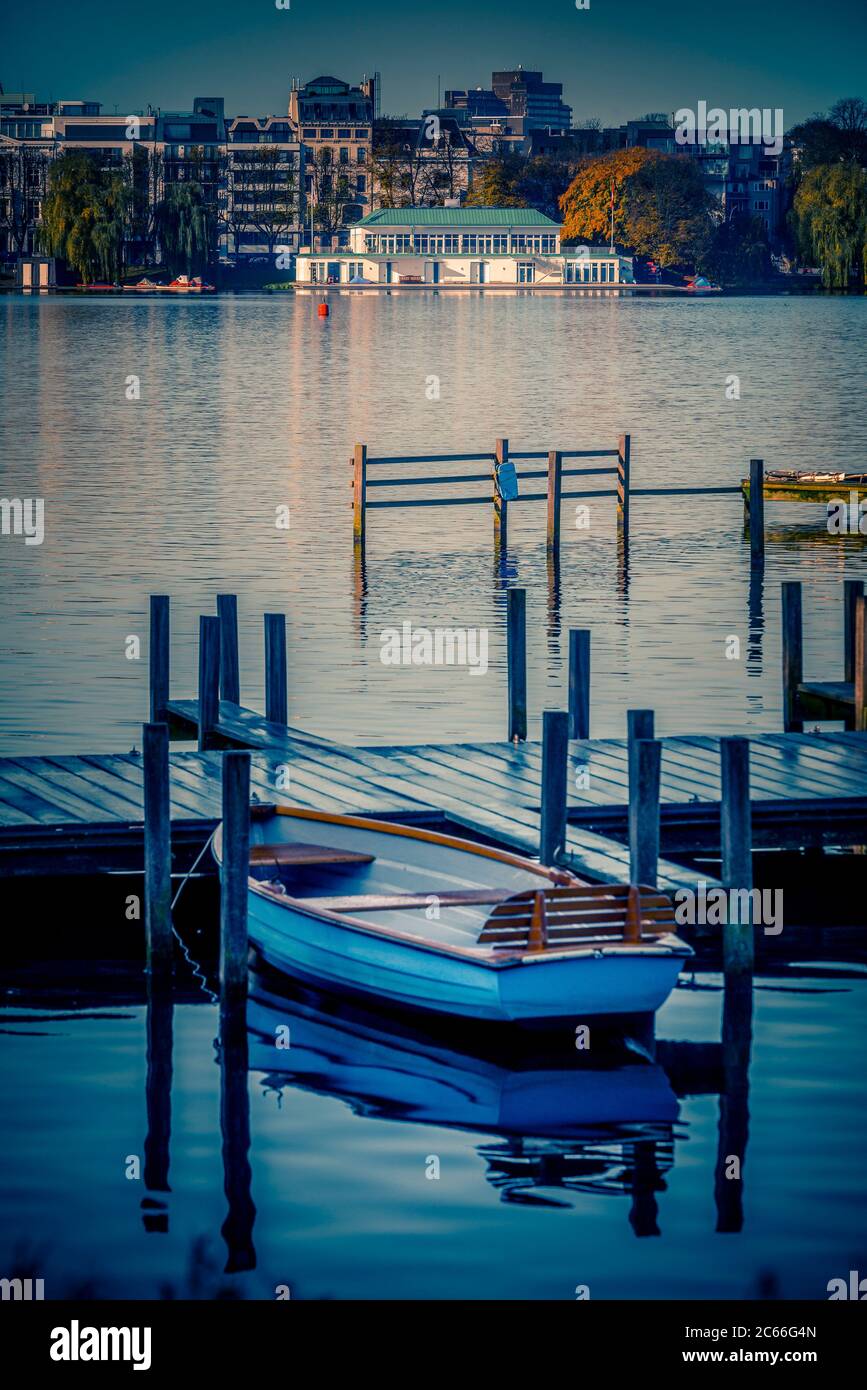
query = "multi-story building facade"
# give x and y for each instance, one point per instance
(462, 248)
(262, 201)
(516, 93)
(333, 122)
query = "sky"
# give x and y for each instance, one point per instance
(617, 59)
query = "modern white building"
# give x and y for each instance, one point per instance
(462, 248)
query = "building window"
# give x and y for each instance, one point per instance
(309, 133)
(361, 156)
(344, 134)
(344, 154)
(326, 134)
(361, 183)
(361, 134)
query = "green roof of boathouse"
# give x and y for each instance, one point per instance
(456, 217)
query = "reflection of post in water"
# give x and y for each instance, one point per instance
(622, 563)
(359, 589)
(756, 619)
(646, 1182)
(734, 1103)
(158, 1095)
(237, 1229)
(553, 569)
(738, 961)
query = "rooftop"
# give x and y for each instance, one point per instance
(457, 217)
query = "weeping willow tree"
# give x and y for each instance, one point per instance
(185, 227)
(830, 216)
(84, 215)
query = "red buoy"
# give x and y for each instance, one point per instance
(323, 311)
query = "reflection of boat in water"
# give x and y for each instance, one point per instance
(614, 1164)
(381, 1067)
(412, 918)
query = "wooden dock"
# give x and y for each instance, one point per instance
(84, 813)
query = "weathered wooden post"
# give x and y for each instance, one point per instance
(555, 757)
(157, 849)
(276, 673)
(579, 682)
(209, 680)
(860, 681)
(736, 843)
(230, 669)
(234, 875)
(793, 654)
(757, 512)
(644, 811)
(555, 488)
(501, 507)
(158, 656)
(639, 724)
(359, 493)
(624, 445)
(852, 591)
(516, 658)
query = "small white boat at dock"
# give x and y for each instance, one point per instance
(413, 918)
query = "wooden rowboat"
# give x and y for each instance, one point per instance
(416, 919)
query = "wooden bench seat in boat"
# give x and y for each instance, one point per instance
(299, 855)
(380, 902)
(575, 915)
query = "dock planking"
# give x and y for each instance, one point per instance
(490, 789)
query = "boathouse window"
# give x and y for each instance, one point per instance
(500, 242)
(451, 243)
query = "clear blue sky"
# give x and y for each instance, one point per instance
(618, 59)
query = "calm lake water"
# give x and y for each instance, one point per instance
(551, 1175)
(252, 403)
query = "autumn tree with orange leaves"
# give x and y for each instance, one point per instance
(661, 207)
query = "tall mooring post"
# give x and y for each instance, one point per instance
(157, 850)
(158, 656)
(736, 843)
(555, 758)
(579, 682)
(555, 489)
(230, 666)
(276, 671)
(359, 492)
(757, 513)
(209, 680)
(624, 447)
(516, 658)
(501, 507)
(860, 681)
(793, 655)
(644, 776)
(234, 875)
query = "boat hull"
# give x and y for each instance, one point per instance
(587, 983)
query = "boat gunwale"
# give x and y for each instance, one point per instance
(489, 957)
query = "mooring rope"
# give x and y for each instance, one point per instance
(197, 971)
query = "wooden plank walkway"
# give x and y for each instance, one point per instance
(75, 805)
